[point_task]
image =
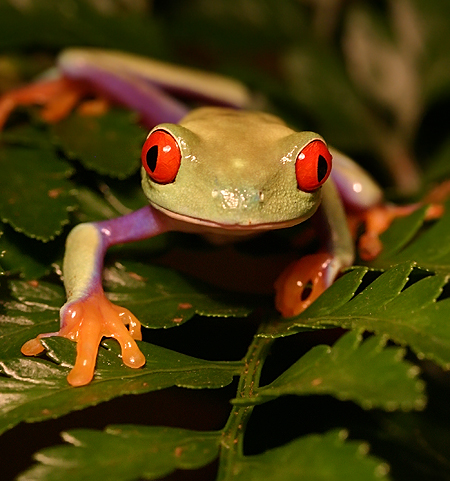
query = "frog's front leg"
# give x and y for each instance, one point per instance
(88, 315)
(304, 280)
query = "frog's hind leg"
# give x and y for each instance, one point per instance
(150, 87)
(152, 104)
(377, 219)
(147, 86)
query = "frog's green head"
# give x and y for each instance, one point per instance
(234, 170)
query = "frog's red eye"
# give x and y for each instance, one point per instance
(161, 157)
(313, 166)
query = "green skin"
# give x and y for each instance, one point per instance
(237, 172)
(217, 193)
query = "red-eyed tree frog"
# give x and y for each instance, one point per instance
(222, 171)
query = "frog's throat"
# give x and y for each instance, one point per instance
(187, 223)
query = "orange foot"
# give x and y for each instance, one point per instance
(378, 219)
(301, 283)
(57, 96)
(87, 321)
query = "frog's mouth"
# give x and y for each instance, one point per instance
(187, 223)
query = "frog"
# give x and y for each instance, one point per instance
(222, 170)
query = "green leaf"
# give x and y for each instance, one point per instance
(109, 144)
(429, 248)
(28, 257)
(32, 135)
(337, 295)
(33, 309)
(92, 206)
(420, 438)
(162, 298)
(36, 389)
(152, 452)
(159, 298)
(399, 234)
(409, 316)
(109, 202)
(314, 458)
(133, 452)
(35, 194)
(128, 193)
(364, 372)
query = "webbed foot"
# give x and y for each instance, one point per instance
(377, 219)
(87, 321)
(58, 97)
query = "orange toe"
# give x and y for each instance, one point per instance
(87, 321)
(33, 347)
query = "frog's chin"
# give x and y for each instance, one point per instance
(186, 223)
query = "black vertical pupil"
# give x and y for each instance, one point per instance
(322, 168)
(152, 157)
